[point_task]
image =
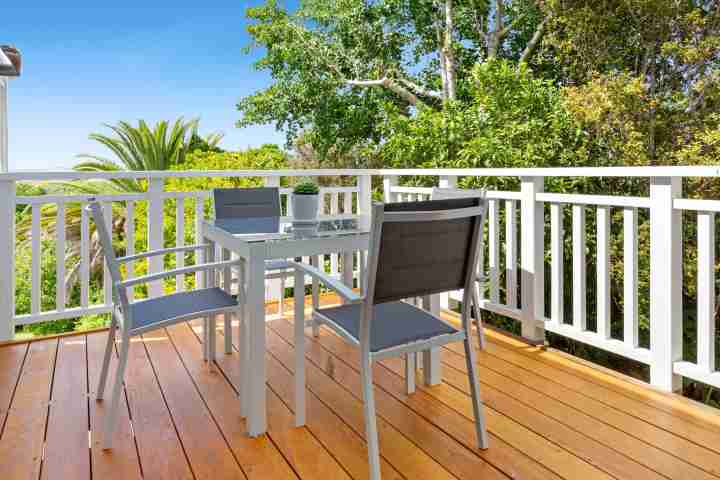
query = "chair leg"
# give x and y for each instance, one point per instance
(116, 392)
(410, 370)
(106, 359)
(281, 300)
(478, 318)
(227, 329)
(478, 411)
(315, 262)
(212, 340)
(206, 338)
(299, 329)
(371, 433)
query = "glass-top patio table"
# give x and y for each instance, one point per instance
(257, 240)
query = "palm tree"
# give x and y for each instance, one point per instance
(141, 148)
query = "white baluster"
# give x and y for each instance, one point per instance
(557, 254)
(107, 279)
(180, 241)
(579, 268)
(510, 254)
(630, 277)
(603, 272)
(35, 269)
(199, 240)
(84, 256)
(130, 243)
(60, 294)
(494, 251)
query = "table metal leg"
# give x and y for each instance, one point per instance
(255, 316)
(227, 286)
(432, 371)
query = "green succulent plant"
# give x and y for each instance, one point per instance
(306, 188)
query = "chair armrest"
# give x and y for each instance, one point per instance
(176, 271)
(163, 251)
(347, 293)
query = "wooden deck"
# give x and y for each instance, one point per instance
(549, 416)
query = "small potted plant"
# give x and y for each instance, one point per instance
(305, 201)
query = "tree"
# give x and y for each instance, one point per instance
(341, 69)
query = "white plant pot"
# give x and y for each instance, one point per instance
(305, 207)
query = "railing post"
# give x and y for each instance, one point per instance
(7, 266)
(447, 181)
(665, 282)
(388, 183)
(364, 194)
(156, 186)
(532, 248)
(275, 286)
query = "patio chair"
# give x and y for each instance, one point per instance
(416, 249)
(230, 203)
(142, 316)
(481, 279)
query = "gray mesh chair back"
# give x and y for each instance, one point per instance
(246, 202)
(98, 214)
(423, 254)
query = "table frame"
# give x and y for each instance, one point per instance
(252, 332)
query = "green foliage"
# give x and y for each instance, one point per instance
(306, 187)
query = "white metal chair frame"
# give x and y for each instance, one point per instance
(481, 279)
(122, 317)
(367, 356)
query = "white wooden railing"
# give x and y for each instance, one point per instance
(524, 243)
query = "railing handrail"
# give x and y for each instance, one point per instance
(638, 172)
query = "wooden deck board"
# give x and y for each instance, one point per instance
(123, 462)
(21, 445)
(548, 416)
(11, 363)
(67, 452)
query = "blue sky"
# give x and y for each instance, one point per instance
(87, 63)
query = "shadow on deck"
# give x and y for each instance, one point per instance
(548, 416)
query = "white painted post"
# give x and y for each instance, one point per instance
(7, 266)
(4, 84)
(446, 181)
(388, 183)
(364, 194)
(532, 259)
(156, 187)
(275, 286)
(706, 291)
(665, 282)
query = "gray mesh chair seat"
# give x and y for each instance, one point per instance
(394, 324)
(154, 312)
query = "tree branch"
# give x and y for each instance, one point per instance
(535, 40)
(388, 83)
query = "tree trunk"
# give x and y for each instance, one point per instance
(449, 52)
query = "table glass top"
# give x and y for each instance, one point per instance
(273, 229)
